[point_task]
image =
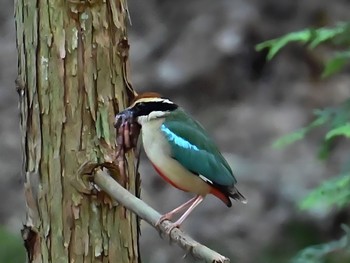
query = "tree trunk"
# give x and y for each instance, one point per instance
(71, 83)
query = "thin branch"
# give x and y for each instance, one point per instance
(151, 216)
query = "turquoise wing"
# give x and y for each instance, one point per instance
(195, 150)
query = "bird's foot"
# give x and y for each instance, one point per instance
(167, 216)
(171, 228)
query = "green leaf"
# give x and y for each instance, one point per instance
(314, 254)
(337, 117)
(289, 138)
(341, 114)
(335, 191)
(301, 133)
(336, 63)
(275, 45)
(315, 37)
(324, 34)
(343, 130)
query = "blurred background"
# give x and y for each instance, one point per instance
(201, 54)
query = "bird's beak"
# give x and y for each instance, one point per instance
(122, 117)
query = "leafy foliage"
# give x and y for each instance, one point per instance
(338, 35)
(337, 119)
(334, 191)
(341, 130)
(336, 63)
(301, 133)
(314, 254)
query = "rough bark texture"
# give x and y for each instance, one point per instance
(71, 83)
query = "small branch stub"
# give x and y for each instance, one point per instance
(151, 216)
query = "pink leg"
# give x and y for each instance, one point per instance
(170, 214)
(198, 199)
(196, 202)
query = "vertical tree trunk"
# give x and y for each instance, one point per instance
(70, 81)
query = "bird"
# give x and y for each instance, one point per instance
(182, 153)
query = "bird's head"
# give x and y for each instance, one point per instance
(148, 106)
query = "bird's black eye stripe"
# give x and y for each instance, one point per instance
(145, 108)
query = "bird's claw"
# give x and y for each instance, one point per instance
(162, 218)
(170, 227)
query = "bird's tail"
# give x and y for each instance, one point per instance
(235, 194)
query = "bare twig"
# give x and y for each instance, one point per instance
(151, 216)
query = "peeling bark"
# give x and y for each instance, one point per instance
(71, 84)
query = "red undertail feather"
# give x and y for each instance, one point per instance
(223, 197)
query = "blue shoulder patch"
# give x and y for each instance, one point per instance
(178, 140)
